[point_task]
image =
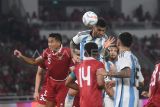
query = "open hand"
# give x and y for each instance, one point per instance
(108, 42)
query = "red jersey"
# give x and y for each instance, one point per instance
(43, 66)
(57, 63)
(90, 95)
(155, 87)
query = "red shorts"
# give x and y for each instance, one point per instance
(56, 91)
(42, 95)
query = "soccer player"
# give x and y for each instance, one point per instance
(41, 97)
(154, 89)
(127, 68)
(96, 35)
(110, 82)
(89, 83)
(58, 63)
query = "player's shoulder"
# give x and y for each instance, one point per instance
(97, 62)
(67, 51)
(126, 54)
(46, 50)
(84, 33)
(105, 36)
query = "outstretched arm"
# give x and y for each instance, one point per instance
(28, 60)
(124, 73)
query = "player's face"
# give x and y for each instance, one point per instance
(113, 51)
(99, 31)
(53, 44)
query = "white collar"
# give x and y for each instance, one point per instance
(58, 51)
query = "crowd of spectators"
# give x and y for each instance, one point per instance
(110, 14)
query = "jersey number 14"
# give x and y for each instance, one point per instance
(82, 77)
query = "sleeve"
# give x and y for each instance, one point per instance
(72, 74)
(76, 39)
(124, 62)
(44, 54)
(141, 78)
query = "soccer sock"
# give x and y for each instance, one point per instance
(69, 101)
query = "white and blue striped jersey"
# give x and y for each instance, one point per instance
(108, 101)
(84, 37)
(126, 91)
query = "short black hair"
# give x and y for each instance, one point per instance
(91, 49)
(126, 39)
(101, 23)
(57, 36)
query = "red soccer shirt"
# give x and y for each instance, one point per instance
(90, 95)
(155, 87)
(57, 63)
(43, 66)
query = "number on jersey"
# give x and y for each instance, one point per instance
(86, 78)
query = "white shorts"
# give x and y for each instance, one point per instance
(108, 102)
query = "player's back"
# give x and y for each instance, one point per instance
(90, 95)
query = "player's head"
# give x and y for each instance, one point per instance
(99, 29)
(91, 49)
(125, 39)
(54, 41)
(113, 52)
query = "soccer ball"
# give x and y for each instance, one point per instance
(89, 18)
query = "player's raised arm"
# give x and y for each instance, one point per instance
(32, 61)
(124, 73)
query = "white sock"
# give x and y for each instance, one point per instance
(69, 101)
